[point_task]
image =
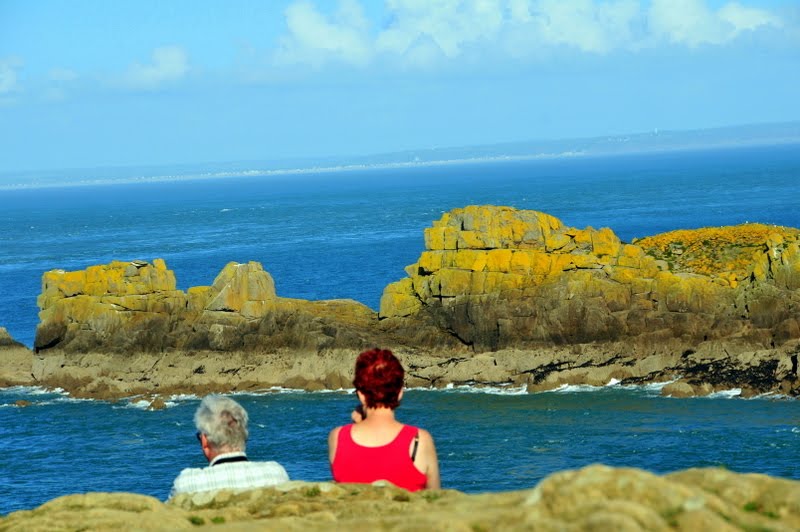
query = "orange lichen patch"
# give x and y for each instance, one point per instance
(715, 250)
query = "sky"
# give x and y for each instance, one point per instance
(90, 83)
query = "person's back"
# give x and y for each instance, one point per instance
(354, 462)
(380, 447)
(222, 432)
(242, 475)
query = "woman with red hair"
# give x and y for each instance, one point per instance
(379, 447)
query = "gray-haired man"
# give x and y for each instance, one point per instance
(222, 431)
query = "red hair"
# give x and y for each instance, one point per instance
(379, 376)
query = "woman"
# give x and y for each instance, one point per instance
(379, 447)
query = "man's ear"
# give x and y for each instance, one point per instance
(400, 395)
(205, 445)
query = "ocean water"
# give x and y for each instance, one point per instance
(485, 441)
(347, 234)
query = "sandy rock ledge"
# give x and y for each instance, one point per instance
(593, 498)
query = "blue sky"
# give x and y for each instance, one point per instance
(94, 83)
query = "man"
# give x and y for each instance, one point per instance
(222, 431)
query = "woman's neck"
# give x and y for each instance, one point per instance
(380, 415)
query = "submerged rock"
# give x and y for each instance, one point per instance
(593, 498)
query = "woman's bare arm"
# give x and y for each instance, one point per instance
(333, 438)
(430, 462)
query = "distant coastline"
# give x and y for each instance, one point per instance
(656, 141)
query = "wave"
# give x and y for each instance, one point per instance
(282, 390)
(725, 394)
(183, 397)
(503, 389)
(31, 390)
(144, 404)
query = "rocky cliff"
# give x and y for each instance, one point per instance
(499, 296)
(593, 498)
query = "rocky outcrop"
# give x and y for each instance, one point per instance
(6, 341)
(499, 296)
(593, 498)
(15, 362)
(135, 307)
(499, 277)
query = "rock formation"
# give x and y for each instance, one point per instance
(15, 361)
(499, 296)
(593, 498)
(500, 277)
(135, 307)
(6, 340)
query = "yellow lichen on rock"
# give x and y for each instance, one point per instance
(745, 249)
(242, 288)
(483, 249)
(479, 249)
(605, 242)
(398, 299)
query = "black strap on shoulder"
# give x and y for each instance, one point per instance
(414, 449)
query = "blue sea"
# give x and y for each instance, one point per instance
(347, 233)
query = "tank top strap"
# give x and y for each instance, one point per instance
(344, 435)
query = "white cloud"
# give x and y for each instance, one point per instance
(693, 23)
(313, 38)
(62, 75)
(169, 64)
(9, 82)
(747, 18)
(449, 24)
(426, 32)
(583, 24)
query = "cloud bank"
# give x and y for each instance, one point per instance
(422, 33)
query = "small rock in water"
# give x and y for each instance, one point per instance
(157, 404)
(22, 403)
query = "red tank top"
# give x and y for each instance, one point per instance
(360, 464)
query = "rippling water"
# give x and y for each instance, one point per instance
(486, 442)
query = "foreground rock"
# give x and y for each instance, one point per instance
(500, 296)
(593, 498)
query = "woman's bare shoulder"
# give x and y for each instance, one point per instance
(334, 432)
(425, 435)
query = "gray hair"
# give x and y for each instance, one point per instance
(223, 421)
